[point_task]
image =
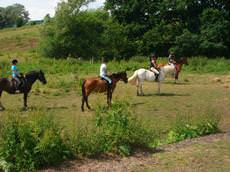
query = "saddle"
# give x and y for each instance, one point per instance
(18, 85)
(107, 82)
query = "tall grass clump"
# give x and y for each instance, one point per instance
(186, 128)
(115, 131)
(29, 144)
(205, 65)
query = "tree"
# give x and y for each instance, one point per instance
(214, 33)
(2, 18)
(14, 15)
(158, 25)
(73, 32)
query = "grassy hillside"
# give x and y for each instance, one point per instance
(19, 39)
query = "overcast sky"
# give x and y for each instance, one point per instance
(39, 8)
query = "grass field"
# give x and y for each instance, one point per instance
(197, 95)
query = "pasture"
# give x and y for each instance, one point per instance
(201, 93)
(194, 95)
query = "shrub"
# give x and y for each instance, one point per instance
(186, 129)
(114, 130)
(30, 144)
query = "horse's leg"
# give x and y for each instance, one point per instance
(176, 77)
(138, 86)
(1, 106)
(141, 88)
(137, 91)
(82, 103)
(159, 87)
(25, 101)
(87, 104)
(110, 97)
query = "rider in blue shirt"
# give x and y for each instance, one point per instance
(15, 74)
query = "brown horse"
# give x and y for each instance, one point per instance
(96, 84)
(7, 85)
(178, 66)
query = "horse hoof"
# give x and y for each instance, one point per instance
(24, 108)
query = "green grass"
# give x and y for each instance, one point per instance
(207, 156)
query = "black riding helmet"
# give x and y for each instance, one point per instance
(14, 61)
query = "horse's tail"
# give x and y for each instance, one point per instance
(83, 88)
(133, 79)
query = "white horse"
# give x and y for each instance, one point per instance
(141, 75)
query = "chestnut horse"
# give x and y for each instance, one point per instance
(177, 67)
(29, 79)
(96, 84)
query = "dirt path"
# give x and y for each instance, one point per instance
(150, 161)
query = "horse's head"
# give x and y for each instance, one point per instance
(183, 60)
(41, 77)
(124, 76)
(121, 76)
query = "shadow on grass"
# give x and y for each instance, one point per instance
(177, 83)
(166, 95)
(58, 107)
(37, 108)
(138, 103)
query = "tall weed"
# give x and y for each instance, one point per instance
(114, 130)
(29, 144)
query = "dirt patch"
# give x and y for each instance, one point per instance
(138, 162)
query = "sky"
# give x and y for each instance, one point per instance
(39, 8)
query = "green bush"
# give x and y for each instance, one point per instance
(114, 130)
(183, 129)
(30, 144)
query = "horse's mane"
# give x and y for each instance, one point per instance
(116, 75)
(32, 72)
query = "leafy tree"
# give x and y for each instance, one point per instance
(186, 44)
(73, 32)
(214, 32)
(158, 25)
(14, 15)
(138, 27)
(2, 18)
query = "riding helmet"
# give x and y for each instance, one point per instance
(14, 61)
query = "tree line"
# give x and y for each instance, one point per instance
(123, 29)
(13, 16)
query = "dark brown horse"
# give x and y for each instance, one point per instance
(8, 86)
(96, 84)
(178, 66)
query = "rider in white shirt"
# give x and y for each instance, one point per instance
(171, 59)
(103, 72)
